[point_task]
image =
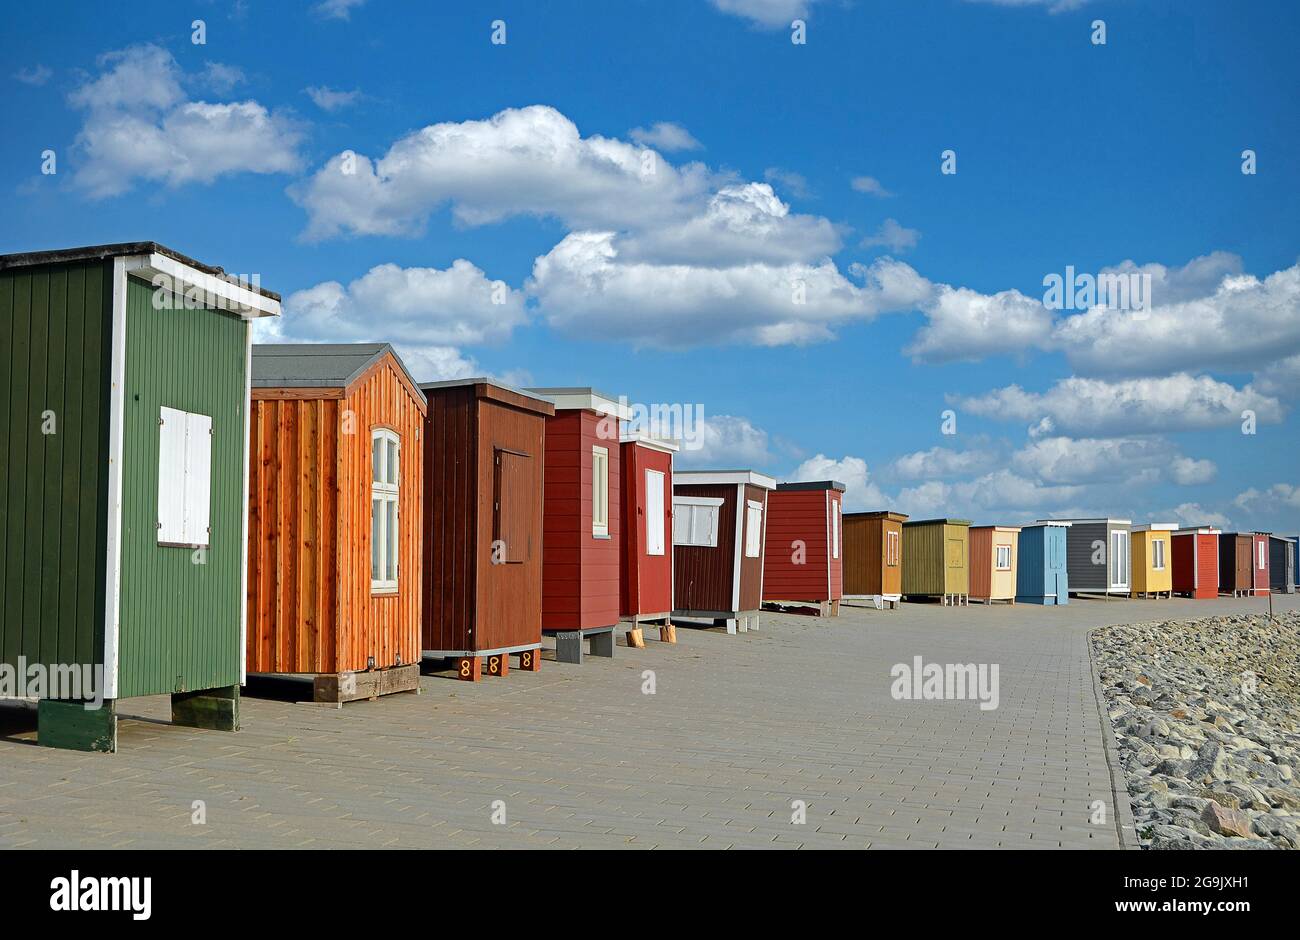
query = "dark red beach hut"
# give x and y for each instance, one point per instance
(484, 447)
(646, 569)
(1195, 555)
(581, 527)
(718, 545)
(804, 545)
(1243, 563)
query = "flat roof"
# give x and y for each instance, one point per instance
(1041, 522)
(1156, 527)
(1107, 521)
(999, 528)
(877, 514)
(945, 521)
(482, 380)
(812, 485)
(119, 249)
(707, 477)
(578, 398)
(1199, 530)
(666, 444)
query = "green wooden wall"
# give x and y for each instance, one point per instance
(54, 356)
(180, 621)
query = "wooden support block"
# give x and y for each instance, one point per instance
(530, 660)
(469, 668)
(498, 664)
(213, 709)
(70, 725)
(338, 688)
(668, 633)
(636, 638)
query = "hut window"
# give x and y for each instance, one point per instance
(1263, 557)
(695, 521)
(1158, 554)
(1119, 559)
(654, 512)
(184, 478)
(384, 465)
(599, 491)
(1004, 558)
(891, 549)
(835, 529)
(753, 528)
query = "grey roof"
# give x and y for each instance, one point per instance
(483, 380)
(812, 485)
(317, 365)
(117, 250)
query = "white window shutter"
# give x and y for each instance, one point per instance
(171, 476)
(198, 479)
(654, 510)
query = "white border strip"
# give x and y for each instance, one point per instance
(248, 303)
(243, 542)
(113, 535)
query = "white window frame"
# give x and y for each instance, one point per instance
(1120, 559)
(656, 481)
(599, 491)
(1262, 553)
(835, 529)
(184, 479)
(687, 513)
(386, 491)
(753, 528)
(997, 561)
(1158, 554)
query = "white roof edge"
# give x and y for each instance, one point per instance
(585, 399)
(665, 444)
(1199, 530)
(999, 527)
(706, 477)
(1105, 520)
(217, 292)
(1060, 522)
(1156, 527)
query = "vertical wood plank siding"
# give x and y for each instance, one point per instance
(469, 602)
(1080, 540)
(54, 355)
(926, 570)
(803, 516)
(180, 610)
(866, 568)
(646, 582)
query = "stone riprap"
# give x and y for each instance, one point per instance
(1206, 716)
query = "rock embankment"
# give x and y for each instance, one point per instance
(1206, 715)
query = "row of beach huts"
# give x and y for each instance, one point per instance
(183, 509)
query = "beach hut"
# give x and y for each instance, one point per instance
(994, 550)
(804, 545)
(873, 557)
(582, 513)
(1281, 564)
(123, 486)
(646, 562)
(1098, 555)
(1151, 547)
(1243, 563)
(482, 532)
(1195, 553)
(936, 560)
(334, 516)
(1041, 573)
(718, 545)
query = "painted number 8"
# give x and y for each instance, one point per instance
(494, 664)
(464, 668)
(526, 659)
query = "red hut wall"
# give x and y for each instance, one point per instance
(1258, 543)
(1196, 565)
(809, 573)
(580, 571)
(646, 580)
(752, 569)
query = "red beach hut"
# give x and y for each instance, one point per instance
(1195, 554)
(646, 569)
(581, 516)
(804, 545)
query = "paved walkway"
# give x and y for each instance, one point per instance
(740, 727)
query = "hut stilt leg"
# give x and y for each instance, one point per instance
(214, 709)
(72, 726)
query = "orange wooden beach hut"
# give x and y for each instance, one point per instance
(334, 507)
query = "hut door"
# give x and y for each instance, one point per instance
(1245, 577)
(654, 512)
(1119, 559)
(512, 510)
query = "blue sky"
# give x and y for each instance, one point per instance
(631, 195)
